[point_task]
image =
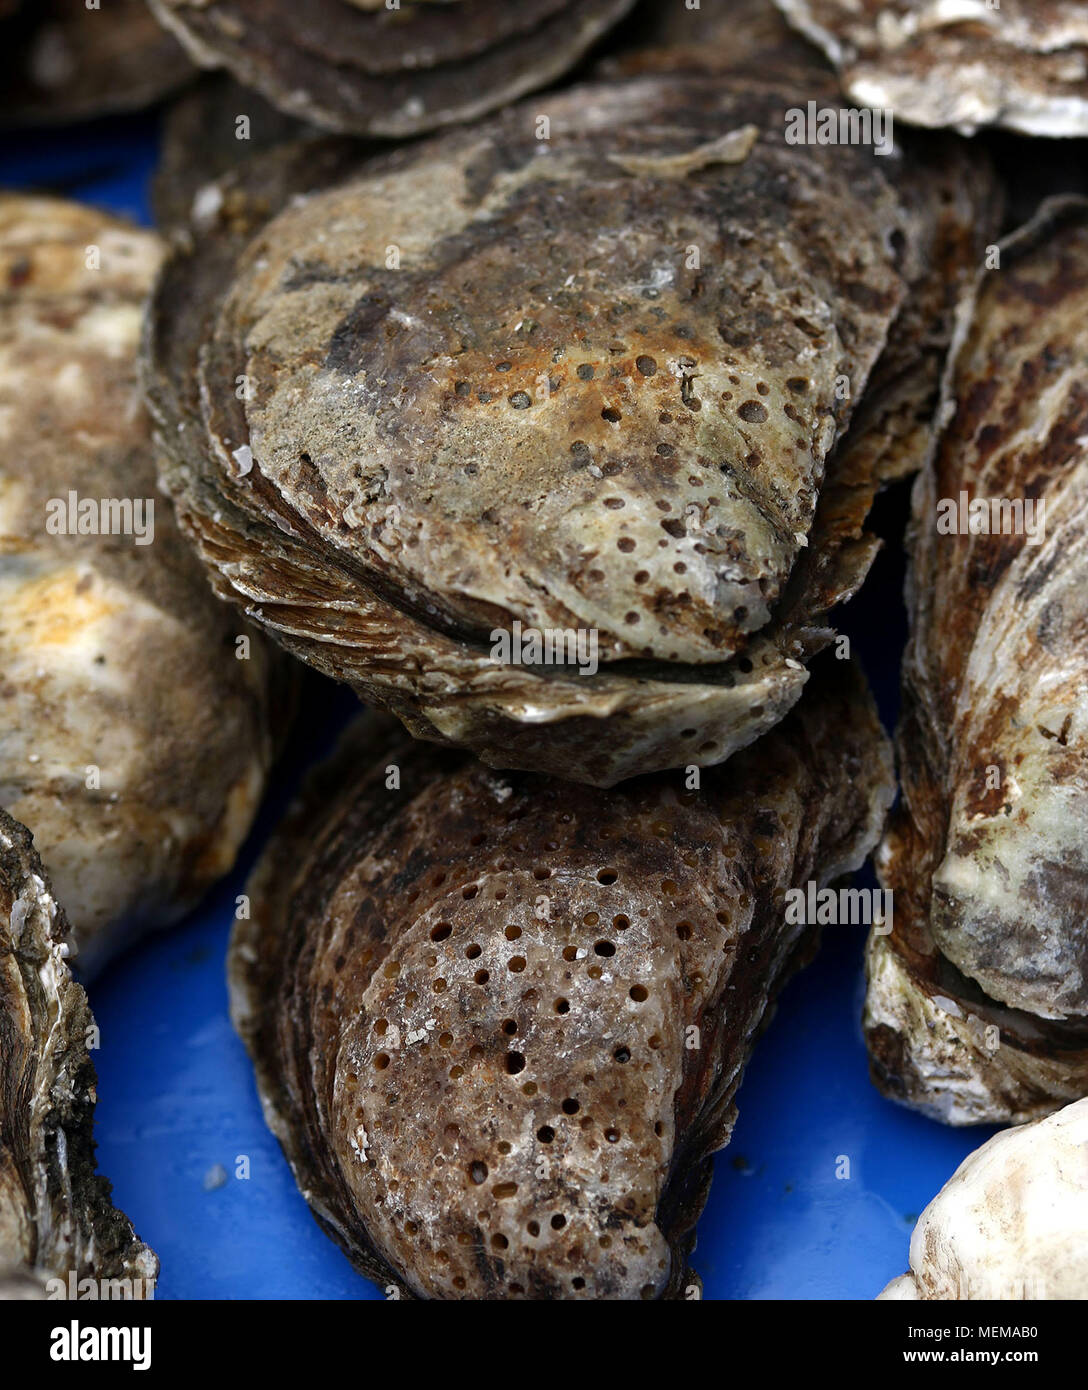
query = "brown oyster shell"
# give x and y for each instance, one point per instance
(56, 1217)
(1022, 64)
(370, 70)
(990, 872)
(498, 1021)
(200, 142)
(64, 61)
(544, 416)
(113, 655)
(666, 35)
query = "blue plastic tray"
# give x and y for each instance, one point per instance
(177, 1098)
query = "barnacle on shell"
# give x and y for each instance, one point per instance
(1011, 1222)
(498, 1021)
(368, 68)
(977, 1006)
(56, 1218)
(1022, 64)
(628, 380)
(133, 740)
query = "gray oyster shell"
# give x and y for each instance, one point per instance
(1022, 64)
(66, 61)
(498, 1021)
(56, 1217)
(133, 742)
(1011, 1222)
(548, 414)
(366, 69)
(977, 1006)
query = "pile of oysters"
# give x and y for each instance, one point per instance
(532, 370)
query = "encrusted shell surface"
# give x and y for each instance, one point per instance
(593, 382)
(65, 60)
(1021, 63)
(56, 1217)
(133, 742)
(1011, 1222)
(368, 69)
(977, 1006)
(498, 1021)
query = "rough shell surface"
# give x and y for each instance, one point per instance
(65, 61)
(498, 1020)
(372, 70)
(133, 742)
(489, 382)
(56, 1217)
(1021, 63)
(1012, 1221)
(977, 1007)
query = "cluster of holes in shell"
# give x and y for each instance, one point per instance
(601, 936)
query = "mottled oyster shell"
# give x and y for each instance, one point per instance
(1011, 1222)
(367, 69)
(133, 741)
(56, 1217)
(1020, 63)
(977, 1008)
(550, 414)
(499, 1021)
(66, 61)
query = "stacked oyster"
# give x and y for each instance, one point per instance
(555, 436)
(977, 1009)
(616, 376)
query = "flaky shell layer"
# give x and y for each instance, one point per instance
(589, 383)
(375, 69)
(56, 1218)
(498, 1021)
(1022, 64)
(978, 1001)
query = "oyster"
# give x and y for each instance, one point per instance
(133, 740)
(498, 1021)
(1021, 63)
(210, 129)
(669, 35)
(65, 60)
(977, 1006)
(56, 1218)
(1011, 1222)
(589, 386)
(366, 68)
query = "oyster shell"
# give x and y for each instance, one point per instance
(548, 416)
(361, 67)
(666, 35)
(1011, 1222)
(203, 138)
(498, 1021)
(977, 1007)
(65, 61)
(56, 1217)
(1021, 63)
(133, 741)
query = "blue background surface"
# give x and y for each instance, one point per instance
(177, 1095)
